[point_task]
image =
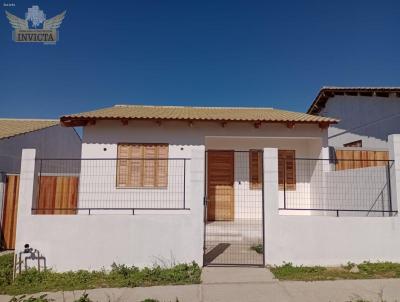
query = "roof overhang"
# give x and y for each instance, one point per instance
(82, 122)
(222, 115)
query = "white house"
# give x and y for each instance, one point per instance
(49, 138)
(207, 184)
(367, 115)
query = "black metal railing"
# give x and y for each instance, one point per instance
(71, 186)
(342, 187)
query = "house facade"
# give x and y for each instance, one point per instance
(165, 185)
(367, 115)
(49, 138)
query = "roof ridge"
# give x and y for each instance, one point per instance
(194, 107)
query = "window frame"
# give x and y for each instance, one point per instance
(256, 185)
(142, 175)
(285, 186)
(351, 144)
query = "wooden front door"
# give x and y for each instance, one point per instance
(9, 221)
(220, 179)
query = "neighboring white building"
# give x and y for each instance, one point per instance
(367, 115)
(170, 184)
(49, 138)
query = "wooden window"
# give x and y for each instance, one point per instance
(142, 166)
(255, 164)
(354, 144)
(287, 169)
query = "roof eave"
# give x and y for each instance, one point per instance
(84, 121)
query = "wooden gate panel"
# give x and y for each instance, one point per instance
(354, 159)
(57, 195)
(10, 207)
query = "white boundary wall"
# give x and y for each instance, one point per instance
(72, 242)
(326, 240)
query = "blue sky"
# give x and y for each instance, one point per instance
(207, 53)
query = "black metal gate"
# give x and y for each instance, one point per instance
(234, 208)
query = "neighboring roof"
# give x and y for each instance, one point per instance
(13, 127)
(223, 114)
(327, 92)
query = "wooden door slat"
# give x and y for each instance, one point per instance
(220, 189)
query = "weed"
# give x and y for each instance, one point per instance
(84, 298)
(258, 248)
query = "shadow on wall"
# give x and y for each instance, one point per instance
(378, 130)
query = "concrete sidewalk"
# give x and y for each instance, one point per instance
(246, 284)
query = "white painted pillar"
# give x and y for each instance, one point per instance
(271, 199)
(325, 167)
(26, 193)
(394, 154)
(325, 157)
(196, 189)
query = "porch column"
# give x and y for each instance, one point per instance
(271, 199)
(321, 170)
(25, 194)
(394, 154)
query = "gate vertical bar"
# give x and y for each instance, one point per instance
(389, 189)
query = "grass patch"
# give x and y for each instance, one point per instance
(33, 281)
(367, 270)
(258, 248)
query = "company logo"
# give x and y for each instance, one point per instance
(35, 28)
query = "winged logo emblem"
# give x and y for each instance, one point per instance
(48, 34)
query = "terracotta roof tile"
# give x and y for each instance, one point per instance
(193, 113)
(13, 127)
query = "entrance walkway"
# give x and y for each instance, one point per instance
(233, 242)
(223, 275)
